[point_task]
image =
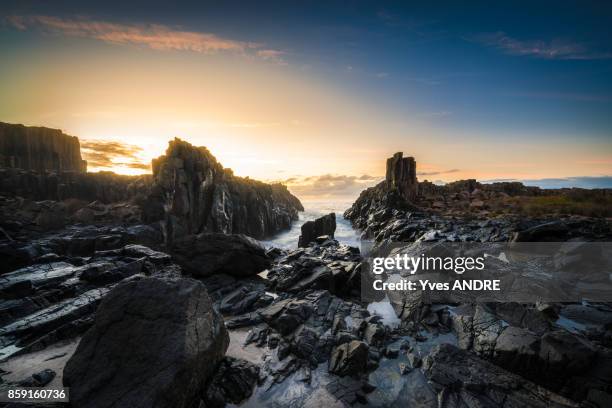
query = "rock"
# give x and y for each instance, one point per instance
(349, 358)
(462, 379)
(374, 334)
(516, 349)
(39, 379)
(311, 230)
(487, 328)
(563, 353)
(305, 343)
(196, 194)
(332, 267)
(401, 175)
(547, 232)
(404, 369)
(232, 383)
(39, 148)
(293, 314)
(414, 360)
(209, 254)
(46, 324)
(153, 343)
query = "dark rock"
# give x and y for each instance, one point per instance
(404, 369)
(548, 232)
(516, 349)
(349, 358)
(232, 383)
(305, 341)
(563, 353)
(30, 330)
(39, 148)
(311, 230)
(401, 176)
(258, 335)
(39, 379)
(463, 379)
(196, 194)
(154, 343)
(414, 360)
(208, 254)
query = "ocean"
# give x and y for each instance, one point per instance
(315, 208)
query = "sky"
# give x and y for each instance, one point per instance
(319, 94)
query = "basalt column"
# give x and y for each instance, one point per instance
(401, 175)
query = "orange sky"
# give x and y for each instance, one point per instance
(260, 115)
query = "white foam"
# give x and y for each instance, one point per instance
(385, 311)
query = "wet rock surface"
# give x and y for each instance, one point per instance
(323, 226)
(154, 342)
(300, 333)
(208, 254)
(462, 379)
(233, 382)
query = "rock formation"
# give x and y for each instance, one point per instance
(401, 175)
(188, 193)
(39, 149)
(325, 225)
(105, 187)
(215, 253)
(198, 195)
(154, 343)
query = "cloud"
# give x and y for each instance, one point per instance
(102, 154)
(154, 36)
(564, 182)
(553, 49)
(436, 173)
(275, 56)
(330, 185)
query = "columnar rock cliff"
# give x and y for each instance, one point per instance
(39, 148)
(189, 192)
(398, 191)
(196, 194)
(401, 175)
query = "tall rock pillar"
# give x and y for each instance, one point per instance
(401, 175)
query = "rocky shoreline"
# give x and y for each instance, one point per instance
(186, 311)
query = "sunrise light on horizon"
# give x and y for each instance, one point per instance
(487, 101)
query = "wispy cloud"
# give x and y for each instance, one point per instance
(330, 184)
(275, 56)
(552, 49)
(154, 36)
(436, 173)
(107, 155)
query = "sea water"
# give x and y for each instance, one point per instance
(315, 208)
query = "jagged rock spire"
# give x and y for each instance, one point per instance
(401, 174)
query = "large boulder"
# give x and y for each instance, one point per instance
(154, 343)
(209, 254)
(325, 225)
